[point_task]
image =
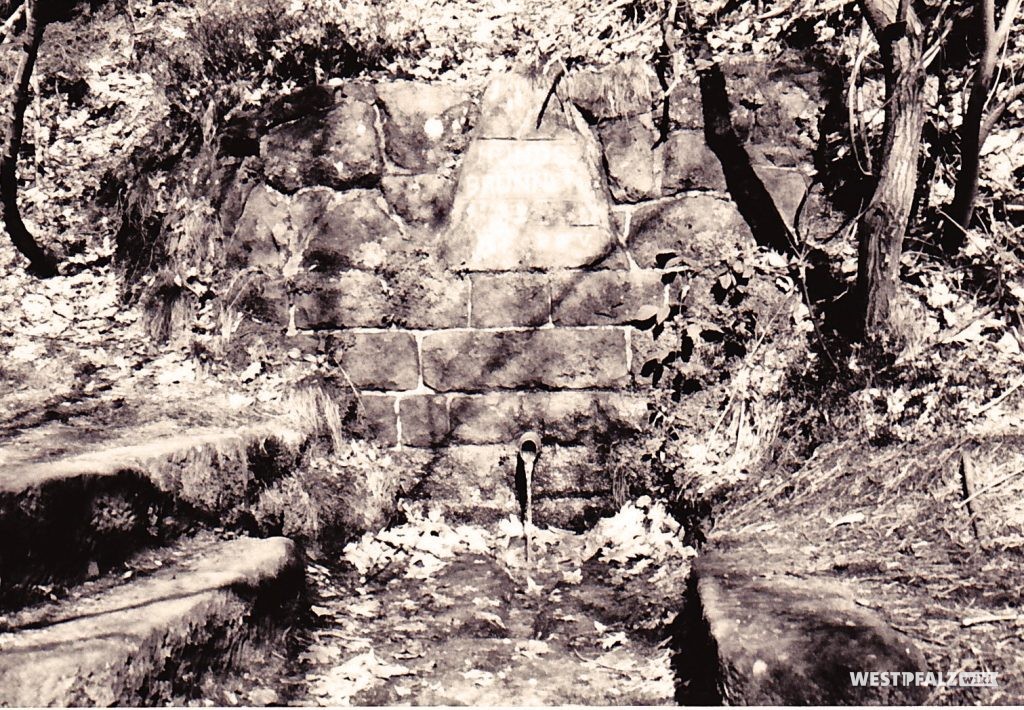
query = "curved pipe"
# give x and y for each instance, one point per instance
(529, 445)
(526, 458)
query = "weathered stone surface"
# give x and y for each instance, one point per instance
(510, 107)
(529, 204)
(513, 299)
(756, 636)
(264, 298)
(316, 229)
(477, 483)
(337, 149)
(622, 90)
(261, 235)
(385, 360)
(685, 110)
(424, 124)
(348, 300)
(702, 229)
(247, 177)
(639, 171)
(787, 187)
(776, 106)
(689, 164)
(634, 169)
(424, 420)
(488, 418)
(563, 358)
(376, 419)
(603, 297)
(344, 231)
(360, 299)
(563, 417)
(114, 650)
(422, 299)
(424, 200)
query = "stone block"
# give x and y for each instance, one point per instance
(622, 90)
(529, 204)
(511, 104)
(376, 419)
(261, 234)
(603, 297)
(113, 649)
(474, 483)
(787, 187)
(264, 298)
(247, 177)
(488, 418)
(689, 164)
(350, 299)
(514, 299)
(585, 417)
(424, 124)
(776, 106)
(550, 359)
(424, 420)
(477, 483)
(344, 231)
(767, 638)
(423, 299)
(685, 108)
(701, 228)
(576, 514)
(560, 417)
(422, 200)
(336, 149)
(386, 360)
(633, 162)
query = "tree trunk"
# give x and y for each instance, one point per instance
(41, 262)
(976, 125)
(881, 229)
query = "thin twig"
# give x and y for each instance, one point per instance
(1016, 386)
(989, 487)
(856, 112)
(991, 619)
(967, 488)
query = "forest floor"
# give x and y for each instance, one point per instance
(430, 613)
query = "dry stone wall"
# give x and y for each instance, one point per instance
(472, 264)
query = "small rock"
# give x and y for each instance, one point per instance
(264, 696)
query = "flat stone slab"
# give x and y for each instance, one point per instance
(71, 498)
(753, 635)
(133, 644)
(528, 198)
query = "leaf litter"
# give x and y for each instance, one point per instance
(433, 612)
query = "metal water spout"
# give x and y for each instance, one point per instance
(526, 459)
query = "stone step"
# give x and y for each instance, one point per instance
(752, 633)
(149, 640)
(71, 505)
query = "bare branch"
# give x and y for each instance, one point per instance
(854, 106)
(996, 112)
(1006, 23)
(8, 26)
